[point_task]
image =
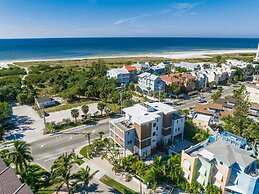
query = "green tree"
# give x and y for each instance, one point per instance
(101, 133)
(238, 122)
(35, 177)
(212, 189)
(88, 135)
(21, 156)
(212, 84)
(82, 178)
(236, 78)
(4, 155)
(202, 135)
(218, 59)
(85, 109)
(101, 106)
(218, 94)
(174, 88)
(156, 173)
(61, 171)
(175, 170)
(75, 114)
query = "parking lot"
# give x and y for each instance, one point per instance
(66, 114)
(28, 124)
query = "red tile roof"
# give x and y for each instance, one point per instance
(130, 67)
(169, 78)
(183, 75)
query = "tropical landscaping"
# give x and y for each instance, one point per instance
(39, 180)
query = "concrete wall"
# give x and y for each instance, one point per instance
(207, 176)
(193, 168)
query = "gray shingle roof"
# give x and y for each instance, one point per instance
(10, 183)
(230, 154)
(43, 99)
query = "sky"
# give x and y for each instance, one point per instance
(129, 18)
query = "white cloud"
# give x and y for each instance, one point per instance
(180, 9)
(130, 20)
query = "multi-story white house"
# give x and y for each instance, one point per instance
(189, 66)
(211, 75)
(145, 126)
(142, 66)
(236, 63)
(201, 79)
(256, 59)
(148, 81)
(122, 74)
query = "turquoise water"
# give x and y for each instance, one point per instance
(55, 48)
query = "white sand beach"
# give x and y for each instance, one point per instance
(170, 55)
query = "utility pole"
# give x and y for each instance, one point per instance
(159, 91)
(44, 119)
(121, 101)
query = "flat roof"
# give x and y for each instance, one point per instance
(148, 111)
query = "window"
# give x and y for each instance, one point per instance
(178, 128)
(154, 133)
(128, 133)
(153, 140)
(154, 124)
(177, 121)
(130, 142)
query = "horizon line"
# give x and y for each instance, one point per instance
(71, 37)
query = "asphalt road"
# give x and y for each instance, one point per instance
(191, 103)
(45, 151)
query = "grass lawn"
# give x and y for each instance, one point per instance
(68, 106)
(68, 126)
(48, 190)
(116, 185)
(83, 151)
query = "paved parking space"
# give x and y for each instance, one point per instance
(29, 125)
(66, 114)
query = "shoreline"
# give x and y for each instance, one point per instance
(167, 55)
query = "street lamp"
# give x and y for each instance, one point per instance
(121, 89)
(159, 90)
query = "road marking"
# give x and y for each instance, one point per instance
(54, 154)
(53, 158)
(41, 145)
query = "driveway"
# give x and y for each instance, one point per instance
(29, 125)
(66, 114)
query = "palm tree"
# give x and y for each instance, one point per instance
(101, 106)
(21, 155)
(101, 133)
(75, 114)
(33, 176)
(202, 135)
(85, 109)
(82, 178)
(61, 171)
(88, 135)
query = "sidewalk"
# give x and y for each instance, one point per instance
(105, 168)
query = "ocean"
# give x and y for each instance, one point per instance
(60, 48)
